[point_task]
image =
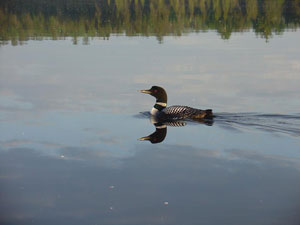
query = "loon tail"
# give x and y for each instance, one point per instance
(208, 114)
(202, 114)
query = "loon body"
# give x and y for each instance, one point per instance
(176, 112)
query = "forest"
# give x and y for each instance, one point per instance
(21, 21)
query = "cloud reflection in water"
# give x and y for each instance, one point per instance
(240, 183)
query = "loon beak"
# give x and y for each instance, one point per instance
(147, 138)
(145, 91)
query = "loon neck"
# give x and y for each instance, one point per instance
(157, 108)
(160, 105)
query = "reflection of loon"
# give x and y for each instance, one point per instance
(161, 129)
(164, 113)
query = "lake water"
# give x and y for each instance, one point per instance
(71, 114)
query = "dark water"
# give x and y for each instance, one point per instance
(71, 116)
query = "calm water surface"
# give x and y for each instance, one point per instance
(71, 118)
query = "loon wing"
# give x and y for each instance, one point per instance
(178, 112)
(182, 112)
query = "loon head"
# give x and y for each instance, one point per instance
(158, 92)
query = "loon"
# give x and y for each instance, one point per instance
(176, 112)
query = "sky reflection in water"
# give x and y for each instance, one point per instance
(69, 129)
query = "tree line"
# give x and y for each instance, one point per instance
(57, 19)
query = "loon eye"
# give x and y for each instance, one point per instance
(155, 90)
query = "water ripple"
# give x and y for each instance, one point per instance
(277, 123)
